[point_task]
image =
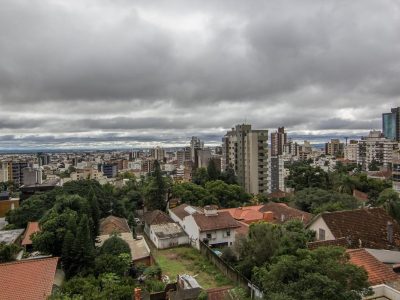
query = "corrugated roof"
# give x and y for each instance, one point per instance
(28, 279)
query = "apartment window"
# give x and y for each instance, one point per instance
(321, 234)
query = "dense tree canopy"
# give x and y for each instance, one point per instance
(324, 273)
(315, 200)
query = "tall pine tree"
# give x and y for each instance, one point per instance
(67, 256)
(95, 213)
(155, 192)
(83, 248)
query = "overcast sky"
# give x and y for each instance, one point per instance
(125, 73)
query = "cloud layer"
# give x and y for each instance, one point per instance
(105, 73)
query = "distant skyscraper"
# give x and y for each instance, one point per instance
(246, 151)
(195, 144)
(334, 147)
(278, 141)
(391, 124)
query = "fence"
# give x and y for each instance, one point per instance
(230, 272)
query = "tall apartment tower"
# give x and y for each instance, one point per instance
(246, 151)
(391, 124)
(195, 144)
(334, 147)
(157, 153)
(278, 141)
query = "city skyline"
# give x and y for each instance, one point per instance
(122, 74)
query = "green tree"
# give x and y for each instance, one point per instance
(83, 248)
(316, 200)
(324, 273)
(303, 176)
(8, 252)
(109, 263)
(228, 176)
(191, 193)
(68, 255)
(114, 245)
(227, 195)
(156, 189)
(214, 173)
(200, 176)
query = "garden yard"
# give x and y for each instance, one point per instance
(187, 260)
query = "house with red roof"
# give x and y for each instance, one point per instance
(217, 228)
(31, 228)
(361, 228)
(31, 279)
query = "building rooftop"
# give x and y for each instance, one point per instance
(283, 213)
(377, 271)
(247, 214)
(28, 279)
(113, 224)
(157, 217)
(167, 230)
(10, 236)
(366, 226)
(31, 228)
(222, 220)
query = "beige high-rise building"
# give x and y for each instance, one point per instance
(246, 152)
(351, 151)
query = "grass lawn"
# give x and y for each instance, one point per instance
(187, 260)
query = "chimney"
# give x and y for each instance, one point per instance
(268, 216)
(389, 228)
(210, 210)
(138, 293)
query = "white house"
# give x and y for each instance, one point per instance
(207, 225)
(163, 231)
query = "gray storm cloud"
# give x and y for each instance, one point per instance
(163, 70)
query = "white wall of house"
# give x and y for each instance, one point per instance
(318, 225)
(219, 236)
(192, 230)
(175, 218)
(169, 242)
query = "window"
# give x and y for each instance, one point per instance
(209, 235)
(228, 233)
(321, 234)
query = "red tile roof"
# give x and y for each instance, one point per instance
(222, 220)
(283, 213)
(341, 242)
(378, 272)
(157, 217)
(113, 224)
(247, 214)
(243, 229)
(31, 228)
(27, 279)
(368, 225)
(361, 196)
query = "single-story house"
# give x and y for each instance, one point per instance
(163, 231)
